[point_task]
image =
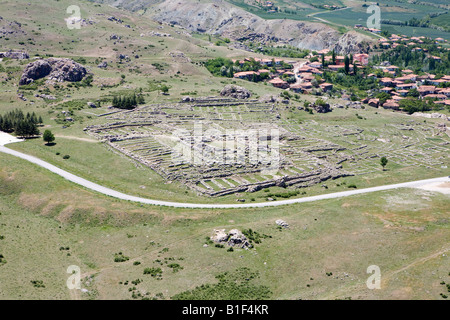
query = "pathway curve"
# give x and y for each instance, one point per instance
(115, 194)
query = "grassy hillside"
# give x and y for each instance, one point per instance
(50, 225)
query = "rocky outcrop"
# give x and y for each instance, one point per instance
(352, 42)
(19, 55)
(322, 108)
(234, 238)
(103, 65)
(11, 28)
(57, 69)
(220, 17)
(282, 223)
(236, 92)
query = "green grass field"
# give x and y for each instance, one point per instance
(50, 225)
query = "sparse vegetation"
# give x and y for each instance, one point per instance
(120, 257)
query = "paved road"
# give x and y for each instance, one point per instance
(115, 194)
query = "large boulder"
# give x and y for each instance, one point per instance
(57, 69)
(321, 107)
(236, 92)
(237, 239)
(234, 238)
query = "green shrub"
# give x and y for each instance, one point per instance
(38, 283)
(175, 267)
(237, 285)
(154, 272)
(120, 257)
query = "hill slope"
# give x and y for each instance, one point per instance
(219, 17)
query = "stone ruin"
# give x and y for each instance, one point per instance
(143, 134)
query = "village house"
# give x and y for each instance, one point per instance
(406, 86)
(391, 104)
(316, 65)
(247, 75)
(386, 82)
(392, 68)
(323, 52)
(363, 58)
(425, 90)
(326, 86)
(386, 90)
(374, 103)
(278, 83)
(408, 77)
(445, 91)
(335, 67)
(436, 96)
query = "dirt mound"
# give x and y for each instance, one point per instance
(57, 69)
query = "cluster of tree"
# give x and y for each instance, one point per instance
(415, 105)
(346, 80)
(226, 68)
(414, 22)
(284, 51)
(22, 125)
(127, 102)
(418, 61)
(220, 67)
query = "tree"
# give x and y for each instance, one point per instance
(48, 137)
(413, 93)
(333, 57)
(432, 64)
(165, 89)
(347, 65)
(383, 162)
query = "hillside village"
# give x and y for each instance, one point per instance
(391, 83)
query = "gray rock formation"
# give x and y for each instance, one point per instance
(220, 17)
(234, 238)
(20, 55)
(57, 69)
(236, 92)
(282, 223)
(103, 65)
(324, 108)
